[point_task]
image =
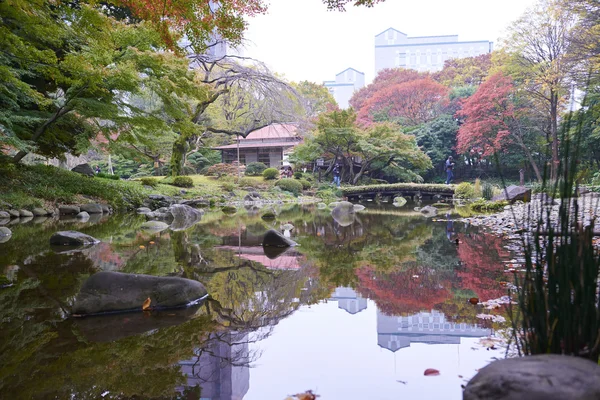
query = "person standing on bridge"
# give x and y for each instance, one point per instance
(449, 168)
(336, 175)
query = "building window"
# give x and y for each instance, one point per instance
(264, 158)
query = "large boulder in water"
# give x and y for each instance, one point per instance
(276, 239)
(541, 377)
(72, 238)
(184, 216)
(84, 169)
(5, 234)
(343, 213)
(154, 226)
(429, 211)
(114, 291)
(514, 193)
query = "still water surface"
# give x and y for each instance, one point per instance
(359, 310)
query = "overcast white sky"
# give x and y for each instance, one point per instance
(304, 41)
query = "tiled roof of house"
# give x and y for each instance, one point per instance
(273, 131)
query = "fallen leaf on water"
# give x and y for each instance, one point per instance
(146, 304)
(308, 395)
(474, 300)
(142, 247)
(431, 372)
(151, 242)
(415, 276)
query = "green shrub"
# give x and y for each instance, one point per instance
(221, 169)
(487, 191)
(488, 206)
(290, 185)
(270, 173)
(183, 181)
(328, 193)
(248, 182)
(108, 176)
(228, 186)
(152, 182)
(297, 175)
(255, 169)
(305, 184)
(464, 191)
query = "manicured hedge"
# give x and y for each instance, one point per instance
(399, 187)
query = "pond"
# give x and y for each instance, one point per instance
(360, 309)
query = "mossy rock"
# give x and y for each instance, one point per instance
(269, 215)
(399, 201)
(441, 205)
(229, 209)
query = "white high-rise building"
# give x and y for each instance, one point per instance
(346, 83)
(394, 49)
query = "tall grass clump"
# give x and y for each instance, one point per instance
(558, 307)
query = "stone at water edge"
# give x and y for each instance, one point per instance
(514, 193)
(343, 213)
(359, 207)
(72, 238)
(83, 216)
(154, 226)
(428, 211)
(40, 212)
(143, 210)
(229, 209)
(67, 210)
(14, 213)
(4, 214)
(321, 206)
(114, 291)
(276, 239)
(399, 201)
(287, 227)
(91, 208)
(25, 213)
(184, 216)
(5, 234)
(268, 215)
(105, 208)
(333, 204)
(540, 377)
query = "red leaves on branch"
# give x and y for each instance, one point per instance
(385, 78)
(413, 102)
(487, 114)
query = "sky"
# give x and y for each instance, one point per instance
(303, 41)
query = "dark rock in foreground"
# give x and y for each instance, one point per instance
(541, 377)
(514, 193)
(114, 291)
(72, 238)
(276, 239)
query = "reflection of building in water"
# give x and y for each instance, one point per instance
(349, 300)
(289, 260)
(394, 333)
(221, 368)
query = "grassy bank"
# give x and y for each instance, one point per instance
(24, 186)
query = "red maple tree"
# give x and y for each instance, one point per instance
(413, 102)
(385, 78)
(487, 115)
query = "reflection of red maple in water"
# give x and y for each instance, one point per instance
(419, 288)
(402, 292)
(481, 257)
